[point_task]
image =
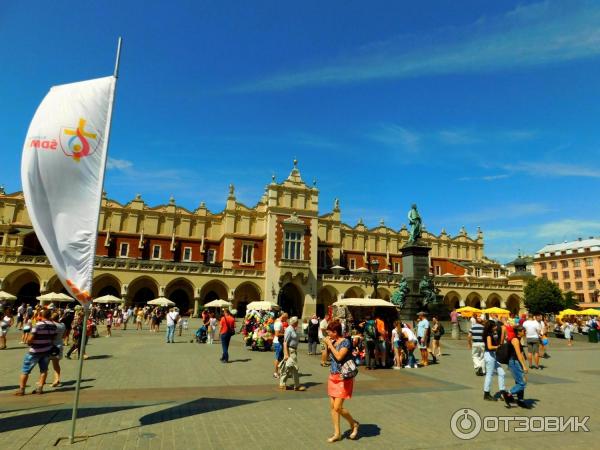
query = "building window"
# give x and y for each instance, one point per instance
(187, 253)
(322, 258)
(589, 261)
(590, 273)
(247, 253)
(477, 272)
(555, 275)
(352, 264)
(438, 270)
(156, 252)
(564, 263)
(293, 245)
(579, 285)
(397, 267)
(553, 265)
(576, 262)
(211, 256)
(545, 275)
(496, 273)
(578, 274)
(123, 250)
(543, 266)
(567, 286)
(591, 285)
(566, 274)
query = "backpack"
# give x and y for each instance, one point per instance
(370, 330)
(441, 330)
(503, 353)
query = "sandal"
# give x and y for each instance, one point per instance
(56, 384)
(354, 433)
(37, 390)
(20, 392)
(334, 439)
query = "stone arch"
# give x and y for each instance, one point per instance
(325, 297)
(181, 291)
(23, 283)
(245, 293)
(291, 299)
(141, 290)
(493, 301)
(383, 293)
(474, 300)
(452, 300)
(354, 292)
(106, 284)
(213, 290)
(54, 285)
(513, 304)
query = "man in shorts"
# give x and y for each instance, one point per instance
(40, 343)
(423, 334)
(533, 332)
(322, 335)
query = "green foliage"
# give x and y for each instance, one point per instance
(570, 300)
(542, 296)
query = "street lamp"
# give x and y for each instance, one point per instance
(374, 277)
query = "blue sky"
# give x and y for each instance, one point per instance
(483, 113)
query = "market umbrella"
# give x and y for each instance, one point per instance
(108, 299)
(5, 296)
(261, 306)
(375, 302)
(590, 312)
(55, 297)
(218, 304)
(468, 311)
(569, 312)
(161, 301)
(496, 310)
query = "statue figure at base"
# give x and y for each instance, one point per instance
(400, 293)
(428, 290)
(416, 225)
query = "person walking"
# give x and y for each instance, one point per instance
(212, 327)
(437, 331)
(109, 323)
(533, 332)
(423, 335)
(339, 350)
(278, 332)
(5, 324)
(397, 344)
(78, 337)
(313, 335)
(518, 369)
(322, 335)
(490, 339)
(227, 329)
(40, 342)
(410, 340)
(370, 334)
(139, 318)
(289, 365)
(57, 348)
(172, 319)
(477, 346)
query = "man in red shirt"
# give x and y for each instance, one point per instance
(227, 329)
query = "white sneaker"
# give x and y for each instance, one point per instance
(415, 367)
(396, 368)
(407, 367)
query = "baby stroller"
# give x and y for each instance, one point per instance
(201, 335)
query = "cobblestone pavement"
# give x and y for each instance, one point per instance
(139, 392)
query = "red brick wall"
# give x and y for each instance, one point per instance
(258, 254)
(279, 238)
(447, 267)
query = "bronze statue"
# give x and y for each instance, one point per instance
(400, 293)
(416, 225)
(428, 290)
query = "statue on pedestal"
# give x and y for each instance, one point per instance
(416, 225)
(400, 293)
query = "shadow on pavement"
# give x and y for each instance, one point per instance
(99, 357)
(60, 415)
(367, 430)
(240, 360)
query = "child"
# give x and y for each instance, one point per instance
(26, 330)
(109, 321)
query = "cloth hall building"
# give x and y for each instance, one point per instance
(282, 250)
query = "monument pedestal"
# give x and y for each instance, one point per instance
(415, 266)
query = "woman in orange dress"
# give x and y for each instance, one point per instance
(339, 350)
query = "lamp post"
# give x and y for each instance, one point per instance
(374, 277)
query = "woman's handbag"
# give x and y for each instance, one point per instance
(349, 369)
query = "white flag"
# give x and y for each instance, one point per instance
(62, 172)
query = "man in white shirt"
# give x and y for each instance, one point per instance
(172, 319)
(533, 332)
(322, 335)
(278, 330)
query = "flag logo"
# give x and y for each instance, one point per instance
(79, 142)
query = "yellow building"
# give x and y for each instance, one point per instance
(280, 250)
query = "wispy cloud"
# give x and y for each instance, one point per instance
(456, 137)
(118, 164)
(503, 212)
(568, 229)
(532, 35)
(398, 137)
(551, 169)
(501, 176)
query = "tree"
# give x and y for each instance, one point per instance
(543, 296)
(570, 300)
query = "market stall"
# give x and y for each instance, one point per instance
(258, 329)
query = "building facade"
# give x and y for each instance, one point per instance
(574, 266)
(281, 250)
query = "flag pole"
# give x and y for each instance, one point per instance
(87, 307)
